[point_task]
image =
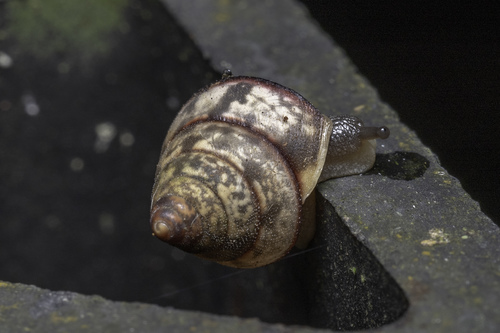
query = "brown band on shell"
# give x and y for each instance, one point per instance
(278, 113)
(241, 148)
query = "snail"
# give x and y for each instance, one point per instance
(237, 170)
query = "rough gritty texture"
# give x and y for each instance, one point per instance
(26, 308)
(449, 278)
(426, 232)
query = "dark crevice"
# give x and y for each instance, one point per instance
(347, 287)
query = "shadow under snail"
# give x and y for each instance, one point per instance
(238, 167)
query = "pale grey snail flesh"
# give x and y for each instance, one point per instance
(238, 163)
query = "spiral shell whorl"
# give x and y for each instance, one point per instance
(277, 113)
(242, 189)
(169, 217)
(244, 155)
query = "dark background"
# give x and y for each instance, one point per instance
(65, 225)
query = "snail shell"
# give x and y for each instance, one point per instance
(238, 163)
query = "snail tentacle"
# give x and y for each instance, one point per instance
(238, 167)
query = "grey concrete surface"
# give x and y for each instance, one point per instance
(25, 308)
(409, 223)
(427, 232)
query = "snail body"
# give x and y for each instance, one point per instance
(239, 164)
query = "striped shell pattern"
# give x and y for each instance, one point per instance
(236, 168)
